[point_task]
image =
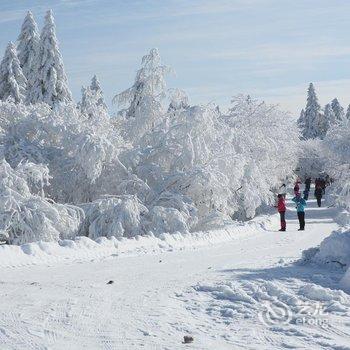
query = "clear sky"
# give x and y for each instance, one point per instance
(270, 49)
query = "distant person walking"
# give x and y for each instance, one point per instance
(318, 195)
(296, 188)
(323, 186)
(300, 206)
(308, 184)
(281, 207)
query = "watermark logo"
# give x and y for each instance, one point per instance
(278, 313)
(275, 314)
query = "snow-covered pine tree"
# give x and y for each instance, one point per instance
(13, 83)
(347, 115)
(51, 83)
(92, 101)
(301, 120)
(96, 86)
(338, 110)
(329, 117)
(314, 121)
(27, 48)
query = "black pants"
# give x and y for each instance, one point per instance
(301, 218)
(319, 201)
(283, 219)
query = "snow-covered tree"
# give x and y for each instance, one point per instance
(13, 83)
(337, 152)
(92, 101)
(178, 100)
(143, 99)
(96, 86)
(329, 116)
(314, 122)
(27, 48)
(312, 158)
(51, 84)
(338, 110)
(301, 120)
(347, 115)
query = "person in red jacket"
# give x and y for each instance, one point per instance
(281, 207)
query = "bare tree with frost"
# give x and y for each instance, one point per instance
(13, 83)
(143, 99)
(337, 150)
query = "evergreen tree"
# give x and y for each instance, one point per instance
(314, 121)
(27, 48)
(338, 110)
(51, 84)
(13, 83)
(96, 87)
(301, 119)
(347, 115)
(329, 117)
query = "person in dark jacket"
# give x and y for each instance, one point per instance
(281, 207)
(308, 184)
(300, 206)
(318, 195)
(296, 188)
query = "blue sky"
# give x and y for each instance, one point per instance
(270, 49)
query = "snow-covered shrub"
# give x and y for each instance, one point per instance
(168, 220)
(26, 217)
(172, 212)
(121, 216)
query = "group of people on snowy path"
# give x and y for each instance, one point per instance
(300, 202)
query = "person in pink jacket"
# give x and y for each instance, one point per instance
(281, 207)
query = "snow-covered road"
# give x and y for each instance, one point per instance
(214, 293)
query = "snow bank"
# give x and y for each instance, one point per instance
(333, 250)
(84, 248)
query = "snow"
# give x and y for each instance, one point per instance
(234, 288)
